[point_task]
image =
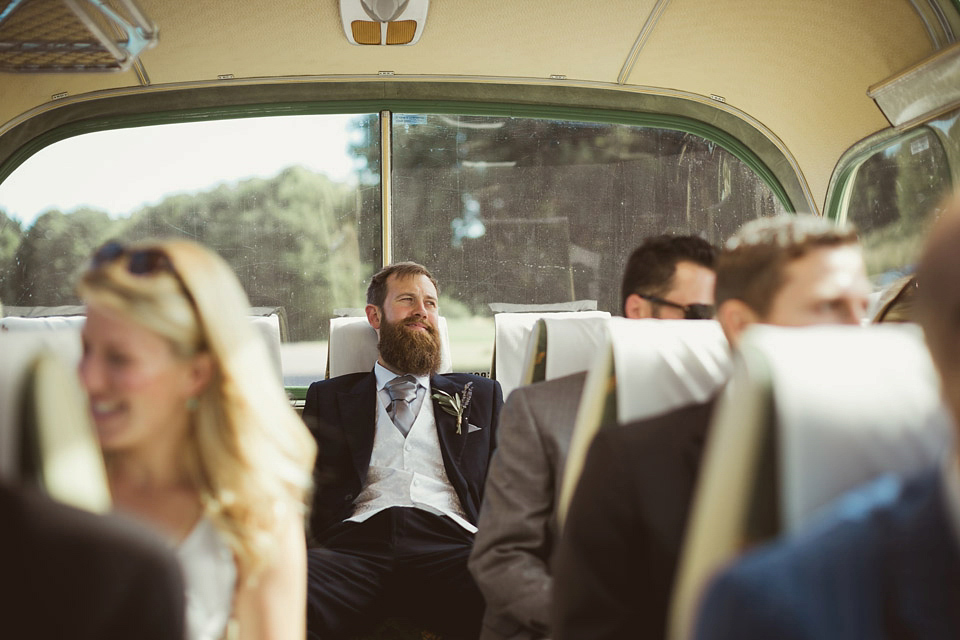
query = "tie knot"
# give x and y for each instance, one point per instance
(402, 388)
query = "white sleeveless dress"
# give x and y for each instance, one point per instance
(210, 575)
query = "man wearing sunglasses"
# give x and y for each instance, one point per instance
(665, 277)
(670, 278)
(694, 311)
(617, 558)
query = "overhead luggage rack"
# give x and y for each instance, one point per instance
(66, 36)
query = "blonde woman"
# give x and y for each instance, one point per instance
(198, 436)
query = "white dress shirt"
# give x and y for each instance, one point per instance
(407, 472)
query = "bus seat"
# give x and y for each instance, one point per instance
(52, 323)
(270, 324)
(280, 313)
(874, 302)
(512, 330)
(46, 438)
(60, 333)
(808, 415)
(268, 328)
(648, 367)
(352, 346)
(550, 307)
(573, 341)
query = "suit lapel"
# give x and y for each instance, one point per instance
(450, 443)
(358, 410)
(697, 443)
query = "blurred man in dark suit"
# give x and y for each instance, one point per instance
(885, 564)
(72, 574)
(621, 542)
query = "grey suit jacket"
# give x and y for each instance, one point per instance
(517, 530)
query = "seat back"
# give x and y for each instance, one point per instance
(51, 323)
(809, 414)
(561, 346)
(512, 332)
(268, 327)
(352, 346)
(46, 438)
(648, 367)
(269, 322)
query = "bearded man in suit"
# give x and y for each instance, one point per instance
(403, 456)
(665, 277)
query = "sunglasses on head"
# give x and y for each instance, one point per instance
(695, 311)
(139, 261)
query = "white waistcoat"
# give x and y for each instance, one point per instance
(408, 472)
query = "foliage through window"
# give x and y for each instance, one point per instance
(502, 209)
(894, 194)
(524, 210)
(276, 197)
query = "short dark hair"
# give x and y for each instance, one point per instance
(752, 263)
(652, 265)
(377, 289)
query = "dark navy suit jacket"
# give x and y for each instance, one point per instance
(883, 564)
(341, 413)
(615, 565)
(67, 573)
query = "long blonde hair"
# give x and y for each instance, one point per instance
(249, 454)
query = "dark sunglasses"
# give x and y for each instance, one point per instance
(140, 262)
(695, 311)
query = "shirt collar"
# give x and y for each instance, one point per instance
(384, 376)
(950, 473)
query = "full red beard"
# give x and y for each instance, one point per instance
(410, 350)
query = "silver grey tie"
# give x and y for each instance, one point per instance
(403, 391)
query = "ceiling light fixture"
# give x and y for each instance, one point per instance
(383, 22)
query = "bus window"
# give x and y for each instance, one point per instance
(894, 194)
(501, 209)
(526, 210)
(277, 197)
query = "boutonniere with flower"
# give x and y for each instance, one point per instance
(453, 404)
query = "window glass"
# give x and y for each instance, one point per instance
(894, 193)
(502, 209)
(524, 210)
(292, 203)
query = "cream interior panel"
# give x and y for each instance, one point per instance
(534, 38)
(20, 93)
(802, 69)
(202, 40)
